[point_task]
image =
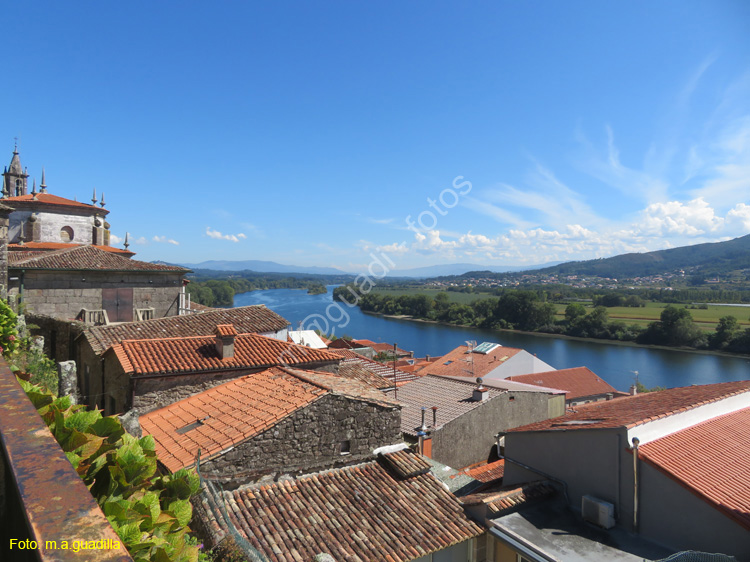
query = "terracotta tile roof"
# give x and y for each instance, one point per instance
(353, 369)
(452, 397)
(225, 330)
(23, 201)
(380, 347)
(87, 258)
(341, 343)
(406, 464)
(362, 513)
(227, 414)
(246, 320)
(631, 411)
(457, 363)
(487, 472)
(199, 354)
(510, 498)
(51, 246)
(384, 370)
(712, 459)
(577, 382)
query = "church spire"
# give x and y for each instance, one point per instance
(43, 185)
(126, 241)
(15, 177)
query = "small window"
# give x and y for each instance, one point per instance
(511, 398)
(66, 234)
(345, 447)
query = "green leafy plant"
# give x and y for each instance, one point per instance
(9, 341)
(150, 512)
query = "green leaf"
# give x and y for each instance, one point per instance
(109, 427)
(182, 510)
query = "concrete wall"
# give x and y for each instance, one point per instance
(63, 294)
(470, 438)
(672, 515)
(594, 462)
(309, 440)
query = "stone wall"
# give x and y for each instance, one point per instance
(46, 227)
(59, 335)
(313, 438)
(3, 252)
(63, 294)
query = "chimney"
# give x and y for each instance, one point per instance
(610, 396)
(424, 427)
(434, 417)
(633, 390)
(225, 334)
(480, 393)
(426, 357)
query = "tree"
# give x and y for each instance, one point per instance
(725, 331)
(574, 311)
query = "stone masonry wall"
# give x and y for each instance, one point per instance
(309, 440)
(63, 294)
(59, 335)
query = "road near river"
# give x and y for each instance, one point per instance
(617, 364)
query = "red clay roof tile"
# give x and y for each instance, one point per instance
(193, 354)
(361, 513)
(23, 201)
(457, 363)
(86, 258)
(631, 411)
(717, 470)
(577, 382)
(51, 246)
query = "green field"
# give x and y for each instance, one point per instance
(706, 319)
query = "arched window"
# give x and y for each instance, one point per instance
(66, 234)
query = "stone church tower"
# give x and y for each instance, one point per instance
(15, 178)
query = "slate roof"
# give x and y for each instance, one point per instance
(199, 354)
(452, 397)
(23, 201)
(246, 320)
(227, 414)
(712, 460)
(363, 513)
(578, 382)
(51, 246)
(384, 370)
(631, 411)
(457, 363)
(86, 258)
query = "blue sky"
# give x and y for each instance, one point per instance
(308, 133)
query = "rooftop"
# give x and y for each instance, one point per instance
(199, 353)
(366, 513)
(353, 369)
(453, 399)
(246, 320)
(632, 411)
(227, 414)
(458, 362)
(51, 246)
(578, 382)
(86, 258)
(384, 370)
(23, 201)
(719, 470)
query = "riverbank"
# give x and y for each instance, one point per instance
(565, 337)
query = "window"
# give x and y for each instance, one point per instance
(345, 447)
(66, 234)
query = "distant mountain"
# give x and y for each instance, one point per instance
(261, 267)
(459, 269)
(713, 258)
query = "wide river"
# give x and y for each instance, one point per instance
(617, 364)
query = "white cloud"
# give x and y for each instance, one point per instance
(114, 239)
(141, 241)
(219, 236)
(165, 240)
(674, 217)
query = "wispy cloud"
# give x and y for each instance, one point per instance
(215, 234)
(380, 221)
(165, 240)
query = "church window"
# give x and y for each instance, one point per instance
(66, 234)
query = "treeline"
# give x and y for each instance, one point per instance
(530, 311)
(220, 292)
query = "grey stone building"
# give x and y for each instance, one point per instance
(278, 420)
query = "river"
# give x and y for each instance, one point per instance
(614, 363)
